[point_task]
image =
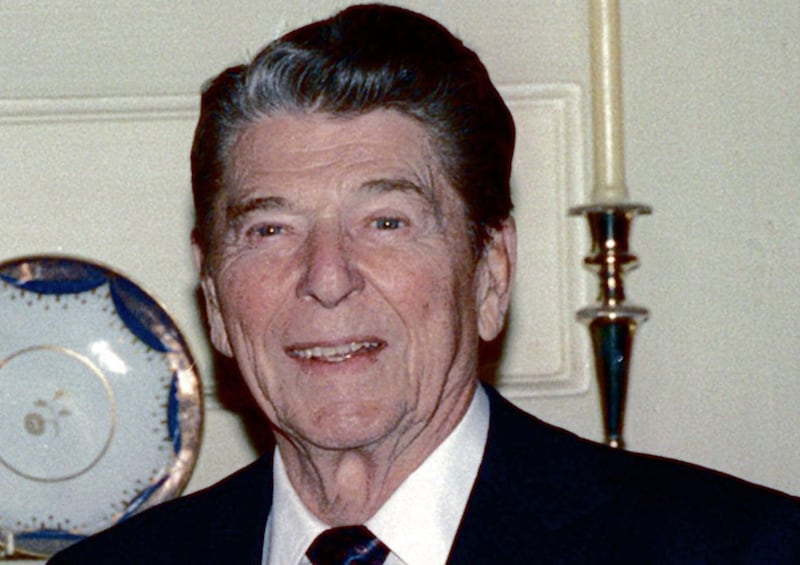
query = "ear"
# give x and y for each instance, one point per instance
(495, 275)
(219, 335)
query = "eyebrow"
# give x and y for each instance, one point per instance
(235, 211)
(389, 185)
(402, 185)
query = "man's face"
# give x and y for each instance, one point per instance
(343, 281)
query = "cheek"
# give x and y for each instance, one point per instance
(415, 290)
(247, 298)
(432, 299)
(235, 297)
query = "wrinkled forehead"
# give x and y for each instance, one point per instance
(296, 147)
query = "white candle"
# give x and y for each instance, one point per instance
(609, 165)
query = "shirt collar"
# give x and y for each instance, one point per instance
(428, 505)
(291, 527)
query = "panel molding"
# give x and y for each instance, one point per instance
(97, 109)
(550, 128)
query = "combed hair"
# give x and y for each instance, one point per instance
(365, 58)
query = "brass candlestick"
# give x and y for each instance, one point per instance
(612, 324)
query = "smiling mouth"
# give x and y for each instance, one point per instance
(336, 353)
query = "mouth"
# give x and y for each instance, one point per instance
(335, 353)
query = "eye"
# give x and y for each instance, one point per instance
(387, 223)
(265, 231)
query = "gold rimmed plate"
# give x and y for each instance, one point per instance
(100, 402)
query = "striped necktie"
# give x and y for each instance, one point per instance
(347, 545)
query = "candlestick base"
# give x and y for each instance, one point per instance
(612, 324)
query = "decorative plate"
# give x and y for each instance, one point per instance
(100, 403)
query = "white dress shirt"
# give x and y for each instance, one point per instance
(419, 521)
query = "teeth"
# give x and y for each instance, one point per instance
(336, 353)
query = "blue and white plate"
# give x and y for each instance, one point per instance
(100, 403)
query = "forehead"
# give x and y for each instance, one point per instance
(327, 128)
(291, 148)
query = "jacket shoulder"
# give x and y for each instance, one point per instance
(543, 493)
(208, 526)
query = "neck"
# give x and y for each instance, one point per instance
(348, 486)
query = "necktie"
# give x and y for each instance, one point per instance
(347, 545)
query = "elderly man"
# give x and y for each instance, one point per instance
(355, 244)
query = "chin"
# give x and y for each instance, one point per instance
(352, 429)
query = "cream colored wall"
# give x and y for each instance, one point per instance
(713, 132)
(712, 102)
(96, 114)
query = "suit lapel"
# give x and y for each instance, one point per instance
(237, 529)
(530, 488)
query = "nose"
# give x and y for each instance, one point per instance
(330, 275)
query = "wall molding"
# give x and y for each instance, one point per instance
(550, 126)
(98, 109)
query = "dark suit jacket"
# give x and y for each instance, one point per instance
(542, 496)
